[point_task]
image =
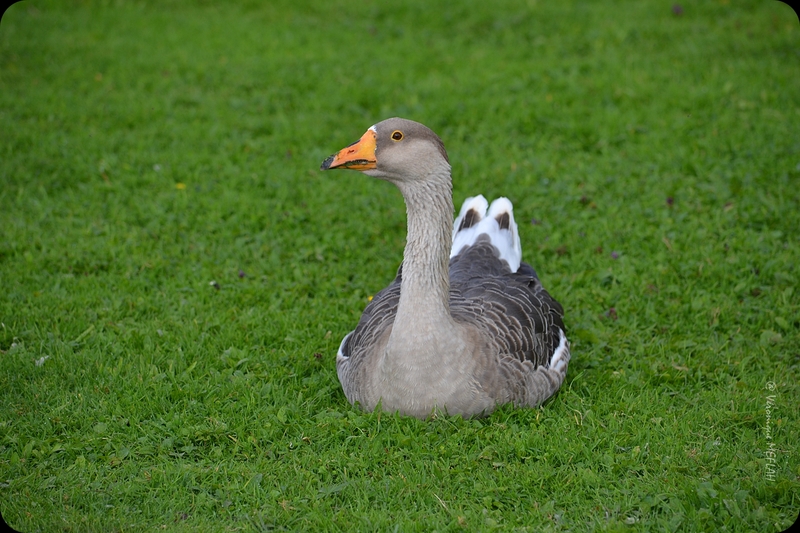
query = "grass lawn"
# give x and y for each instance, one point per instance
(176, 274)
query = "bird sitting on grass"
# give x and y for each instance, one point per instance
(465, 326)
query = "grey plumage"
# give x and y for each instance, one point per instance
(468, 334)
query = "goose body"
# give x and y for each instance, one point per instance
(465, 326)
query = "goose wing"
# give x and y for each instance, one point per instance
(517, 315)
(361, 347)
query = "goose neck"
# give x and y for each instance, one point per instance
(425, 286)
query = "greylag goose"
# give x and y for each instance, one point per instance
(465, 326)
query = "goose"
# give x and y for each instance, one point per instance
(465, 326)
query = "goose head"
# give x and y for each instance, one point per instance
(397, 150)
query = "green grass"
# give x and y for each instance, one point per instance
(150, 148)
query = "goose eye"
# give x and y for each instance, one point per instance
(397, 135)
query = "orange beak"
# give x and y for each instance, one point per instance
(358, 156)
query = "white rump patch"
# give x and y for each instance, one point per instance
(339, 354)
(505, 240)
(559, 358)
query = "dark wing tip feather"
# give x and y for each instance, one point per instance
(503, 220)
(471, 218)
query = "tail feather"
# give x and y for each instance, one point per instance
(473, 210)
(507, 242)
(465, 227)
